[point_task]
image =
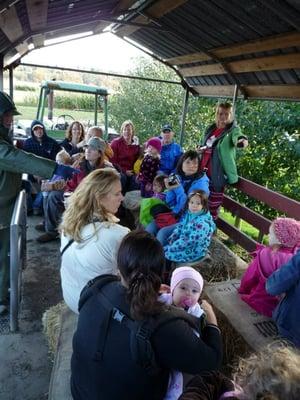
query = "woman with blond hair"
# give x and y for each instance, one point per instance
(74, 136)
(91, 234)
(126, 152)
(218, 152)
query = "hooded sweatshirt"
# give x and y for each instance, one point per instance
(47, 148)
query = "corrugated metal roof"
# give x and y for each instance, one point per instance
(213, 44)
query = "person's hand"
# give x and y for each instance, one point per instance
(200, 149)
(169, 187)
(164, 288)
(210, 315)
(65, 171)
(129, 173)
(242, 143)
(148, 187)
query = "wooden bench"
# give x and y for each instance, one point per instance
(257, 330)
(59, 388)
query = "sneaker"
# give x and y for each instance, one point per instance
(3, 309)
(48, 237)
(40, 227)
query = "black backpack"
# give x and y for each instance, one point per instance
(140, 331)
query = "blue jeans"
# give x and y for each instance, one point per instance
(162, 234)
(53, 210)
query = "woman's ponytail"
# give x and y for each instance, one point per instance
(141, 262)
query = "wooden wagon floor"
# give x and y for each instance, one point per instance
(25, 365)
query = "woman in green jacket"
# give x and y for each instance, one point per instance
(218, 151)
(14, 162)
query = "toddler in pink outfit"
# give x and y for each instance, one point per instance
(186, 288)
(284, 241)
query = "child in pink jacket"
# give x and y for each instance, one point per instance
(284, 240)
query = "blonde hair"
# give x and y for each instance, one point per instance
(85, 205)
(272, 374)
(226, 106)
(69, 131)
(125, 123)
(63, 157)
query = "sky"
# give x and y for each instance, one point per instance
(105, 52)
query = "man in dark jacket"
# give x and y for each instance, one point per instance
(40, 143)
(14, 162)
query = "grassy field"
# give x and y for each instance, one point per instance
(86, 117)
(244, 226)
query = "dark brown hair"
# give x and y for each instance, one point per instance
(69, 131)
(160, 179)
(141, 261)
(192, 154)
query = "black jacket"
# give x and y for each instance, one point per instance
(102, 364)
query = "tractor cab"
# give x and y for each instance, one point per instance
(57, 114)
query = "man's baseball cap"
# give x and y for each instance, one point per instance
(167, 128)
(37, 125)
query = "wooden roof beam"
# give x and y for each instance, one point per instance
(291, 92)
(157, 10)
(38, 40)
(271, 63)
(37, 11)
(215, 90)
(269, 43)
(10, 24)
(123, 6)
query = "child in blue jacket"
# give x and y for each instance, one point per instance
(192, 235)
(286, 281)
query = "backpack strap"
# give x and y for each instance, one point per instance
(66, 246)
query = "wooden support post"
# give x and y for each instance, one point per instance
(11, 81)
(1, 73)
(260, 237)
(183, 117)
(235, 93)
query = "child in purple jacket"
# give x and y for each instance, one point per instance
(149, 166)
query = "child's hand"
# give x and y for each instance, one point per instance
(169, 187)
(148, 187)
(210, 315)
(164, 288)
(129, 173)
(242, 143)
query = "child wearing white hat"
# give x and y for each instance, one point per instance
(186, 288)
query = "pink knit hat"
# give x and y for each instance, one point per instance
(183, 273)
(155, 142)
(287, 231)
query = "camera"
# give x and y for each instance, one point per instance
(172, 180)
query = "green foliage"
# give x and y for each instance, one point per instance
(25, 88)
(148, 104)
(68, 102)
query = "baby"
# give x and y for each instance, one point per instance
(186, 288)
(57, 182)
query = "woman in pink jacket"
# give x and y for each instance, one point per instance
(284, 241)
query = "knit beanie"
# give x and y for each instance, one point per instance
(155, 142)
(184, 273)
(287, 231)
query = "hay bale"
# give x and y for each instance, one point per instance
(224, 264)
(51, 325)
(234, 345)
